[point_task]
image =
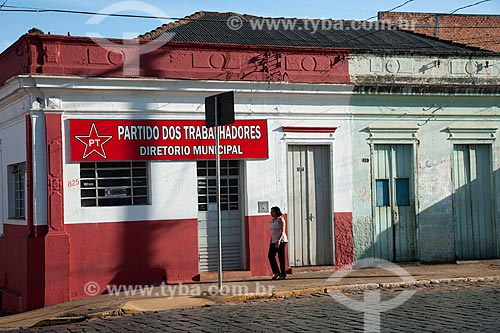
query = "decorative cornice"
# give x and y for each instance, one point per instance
(472, 133)
(303, 129)
(393, 132)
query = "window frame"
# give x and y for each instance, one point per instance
(16, 189)
(125, 193)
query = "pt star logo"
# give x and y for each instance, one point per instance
(94, 143)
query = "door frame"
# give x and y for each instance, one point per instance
(329, 144)
(414, 142)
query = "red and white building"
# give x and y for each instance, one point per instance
(108, 174)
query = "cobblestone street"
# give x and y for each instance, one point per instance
(466, 307)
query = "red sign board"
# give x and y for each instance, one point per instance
(132, 140)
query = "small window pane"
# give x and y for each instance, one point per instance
(141, 200)
(113, 173)
(87, 173)
(402, 192)
(88, 193)
(87, 183)
(89, 203)
(382, 192)
(140, 191)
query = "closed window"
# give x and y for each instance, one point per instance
(402, 192)
(114, 184)
(17, 190)
(382, 192)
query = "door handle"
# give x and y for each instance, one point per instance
(395, 215)
(309, 218)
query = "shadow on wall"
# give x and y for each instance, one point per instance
(463, 226)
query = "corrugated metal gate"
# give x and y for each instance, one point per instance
(473, 202)
(309, 197)
(230, 216)
(394, 213)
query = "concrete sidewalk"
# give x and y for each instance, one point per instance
(160, 298)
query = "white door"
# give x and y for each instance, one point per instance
(473, 202)
(394, 213)
(230, 216)
(310, 216)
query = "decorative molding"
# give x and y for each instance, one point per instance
(304, 129)
(471, 133)
(393, 132)
(53, 103)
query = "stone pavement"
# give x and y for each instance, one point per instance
(166, 297)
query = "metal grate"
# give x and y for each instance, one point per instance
(114, 184)
(207, 187)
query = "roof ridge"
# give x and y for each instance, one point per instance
(199, 14)
(207, 32)
(440, 14)
(159, 30)
(445, 41)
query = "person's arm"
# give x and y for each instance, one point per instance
(281, 222)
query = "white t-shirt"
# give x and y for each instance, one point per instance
(275, 229)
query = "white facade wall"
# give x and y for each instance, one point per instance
(13, 106)
(424, 121)
(173, 183)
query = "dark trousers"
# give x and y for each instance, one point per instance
(281, 256)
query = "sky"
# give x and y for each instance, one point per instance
(14, 24)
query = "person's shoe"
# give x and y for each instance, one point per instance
(275, 277)
(282, 277)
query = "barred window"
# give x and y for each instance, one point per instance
(229, 185)
(114, 184)
(17, 189)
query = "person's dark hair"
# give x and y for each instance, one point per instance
(277, 210)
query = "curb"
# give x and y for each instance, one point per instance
(76, 319)
(357, 287)
(278, 294)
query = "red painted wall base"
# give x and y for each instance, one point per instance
(130, 253)
(344, 242)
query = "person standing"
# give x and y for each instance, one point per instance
(277, 244)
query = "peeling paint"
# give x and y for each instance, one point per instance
(363, 237)
(364, 194)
